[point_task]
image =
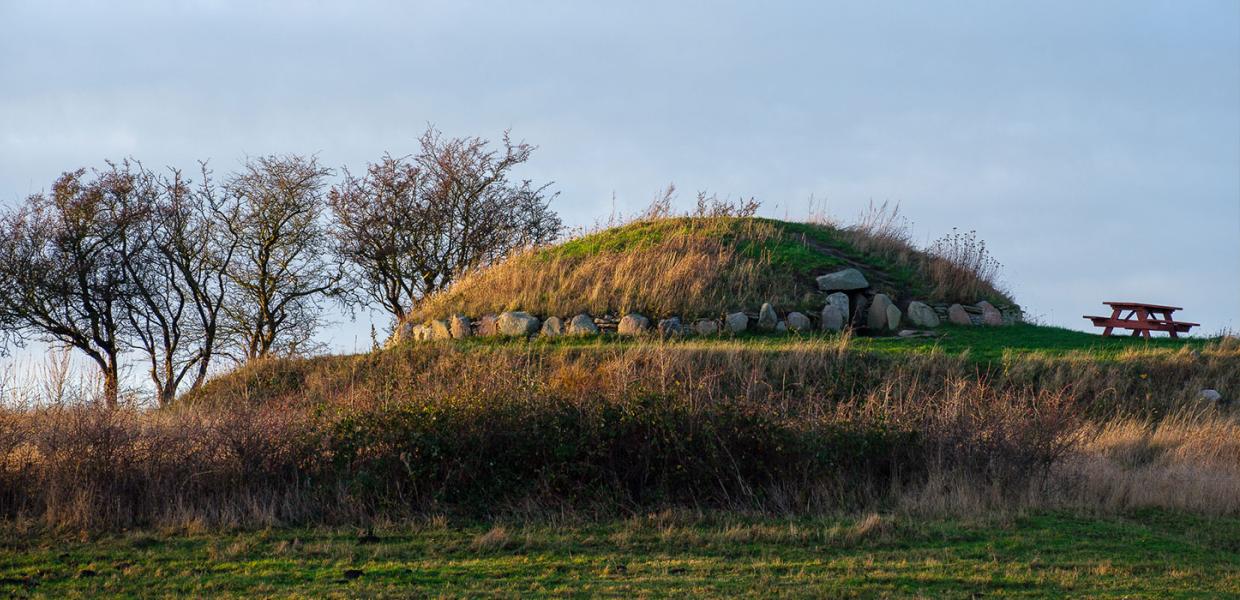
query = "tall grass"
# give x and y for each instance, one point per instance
(961, 266)
(880, 229)
(957, 267)
(718, 259)
(687, 267)
(606, 430)
(1188, 461)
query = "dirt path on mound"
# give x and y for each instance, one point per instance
(876, 277)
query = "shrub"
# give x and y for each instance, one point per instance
(961, 269)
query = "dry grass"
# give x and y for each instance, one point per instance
(1189, 461)
(442, 428)
(868, 527)
(689, 267)
(881, 230)
(955, 268)
(83, 465)
(716, 262)
(496, 538)
(959, 266)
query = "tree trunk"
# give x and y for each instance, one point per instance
(111, 386)
(167, 396)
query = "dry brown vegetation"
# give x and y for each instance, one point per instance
(717, 259)
(706, 266)
(527, 429)
(960, 265)
(1188, 461)
(957, 267)
(684, 267)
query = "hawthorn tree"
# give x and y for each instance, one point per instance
(62, 264)
(282, 269)
(118, 260)
(177, 276)
(410, 225)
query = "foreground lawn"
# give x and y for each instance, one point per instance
(1153, 554)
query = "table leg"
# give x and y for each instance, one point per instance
(1170, 323)
(1143, 317)
(1114, 315)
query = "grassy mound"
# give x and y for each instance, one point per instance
(701, 266)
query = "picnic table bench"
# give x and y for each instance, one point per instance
(1141, 318)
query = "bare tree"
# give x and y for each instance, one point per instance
(176, 274)
(62, 264)
(411, 225)
(282, 269)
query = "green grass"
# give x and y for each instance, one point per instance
(904, 277)
(1150, 554)
(979, 344)
(990, 344)
(796, 252)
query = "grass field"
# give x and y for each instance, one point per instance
(1146, 554)
(988, 344)
(982, 344)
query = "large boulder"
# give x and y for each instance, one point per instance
(1211, 396)
(413, 332)
(921, 315)
(840, 301)
(737, 322)
(832, 318)
(990, 315)
(552, 327)
(439, 330)
(848, 279)
(633, 324)
(582, 324)
(893, 317)
(706, 327)
(517, 324)
(460, 327)
(669, 327)
(487, 325)
(877, 318)
(799, 322)
(767, 319)
(957, 315)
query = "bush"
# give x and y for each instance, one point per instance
(961, 269)
(646, 451)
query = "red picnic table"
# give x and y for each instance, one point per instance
(1142, 318)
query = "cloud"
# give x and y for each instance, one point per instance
(1093, 145)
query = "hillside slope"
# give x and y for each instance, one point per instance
(694, 266)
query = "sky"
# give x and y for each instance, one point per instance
(1095, 146)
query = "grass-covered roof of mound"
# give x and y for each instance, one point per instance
(702, 266)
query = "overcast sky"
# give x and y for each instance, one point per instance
(1094, 145)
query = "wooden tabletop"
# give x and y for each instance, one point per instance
(1141, 305)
